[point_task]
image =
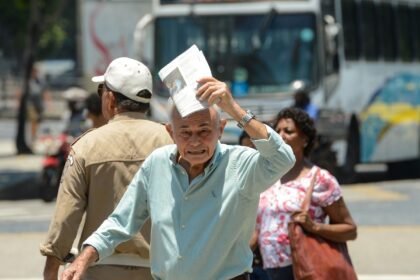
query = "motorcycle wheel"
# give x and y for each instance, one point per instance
(49, 184)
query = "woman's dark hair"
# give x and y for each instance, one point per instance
(243, 136)
(303, 121)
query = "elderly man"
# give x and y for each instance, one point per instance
(201, 195)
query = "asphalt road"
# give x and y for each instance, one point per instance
(387, 214)
(387, 246)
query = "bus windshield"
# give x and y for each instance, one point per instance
(254, 54)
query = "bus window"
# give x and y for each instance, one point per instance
(387, 38)
(404, 26)
(266, 52)
(351, 32)
(331, 44)
(328, 7)
(368, 30)
(415, 22)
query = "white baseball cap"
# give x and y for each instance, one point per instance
(128, 77)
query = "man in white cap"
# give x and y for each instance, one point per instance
(100, 166)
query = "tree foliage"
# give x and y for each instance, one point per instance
(56, 31)
(28, 26)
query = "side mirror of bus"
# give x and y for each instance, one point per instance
(143, 40)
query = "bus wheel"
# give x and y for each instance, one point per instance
(349, 174)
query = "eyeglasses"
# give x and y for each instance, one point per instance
(100, 89)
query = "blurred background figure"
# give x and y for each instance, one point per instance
(57, 147)
(75, 118)
(303, 100)
(245, 140)
(38, 96)
(93, 111)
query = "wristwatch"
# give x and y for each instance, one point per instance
(246, 119)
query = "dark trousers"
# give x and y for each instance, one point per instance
(244, 276)
(258, 273)
(280, 273)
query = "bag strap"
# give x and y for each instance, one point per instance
(308, 196)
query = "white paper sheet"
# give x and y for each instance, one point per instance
(181, 75)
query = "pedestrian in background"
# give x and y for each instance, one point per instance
(101, 164)
(75, 119)
(245, 140)
(303, 100)
(38, 97)
(201, 196)
(281, 203)
(93, 111)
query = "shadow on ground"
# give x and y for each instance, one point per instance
(16, 185)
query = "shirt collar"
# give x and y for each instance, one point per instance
(127, 116)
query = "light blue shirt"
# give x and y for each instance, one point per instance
(200, 230)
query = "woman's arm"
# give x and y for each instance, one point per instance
(341, 228)
(253, 242)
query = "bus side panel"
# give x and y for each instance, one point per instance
(390, 123)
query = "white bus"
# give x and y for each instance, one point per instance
(260, 48)
(380, 81)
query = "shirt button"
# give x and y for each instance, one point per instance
(182, 226)
(179, 257)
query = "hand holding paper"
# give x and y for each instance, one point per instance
(215, 92)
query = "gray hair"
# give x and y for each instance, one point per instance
(173, 110)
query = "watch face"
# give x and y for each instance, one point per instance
(246, 119)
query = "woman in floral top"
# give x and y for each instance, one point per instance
(281, 202)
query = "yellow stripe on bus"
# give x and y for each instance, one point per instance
(393, 113)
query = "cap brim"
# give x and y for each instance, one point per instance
(98, 79)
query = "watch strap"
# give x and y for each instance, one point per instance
(246, 119)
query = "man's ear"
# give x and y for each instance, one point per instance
(169, 129)
(112, 104)
(222, 127)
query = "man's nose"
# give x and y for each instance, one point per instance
(195, 139)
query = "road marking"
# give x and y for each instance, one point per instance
(360, 277)
(20, 278)
(20, 214)
(389, 277)
(363, 192)
(10, 212)
(396, 228)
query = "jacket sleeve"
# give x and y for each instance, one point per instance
(70, 206)
(258, 170)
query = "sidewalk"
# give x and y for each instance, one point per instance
(382, 251)
(372, 258)
(53, 109)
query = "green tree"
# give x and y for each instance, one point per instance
(27, 29)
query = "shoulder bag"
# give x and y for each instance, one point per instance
(316, 258)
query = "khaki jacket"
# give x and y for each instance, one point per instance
(101, 164)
